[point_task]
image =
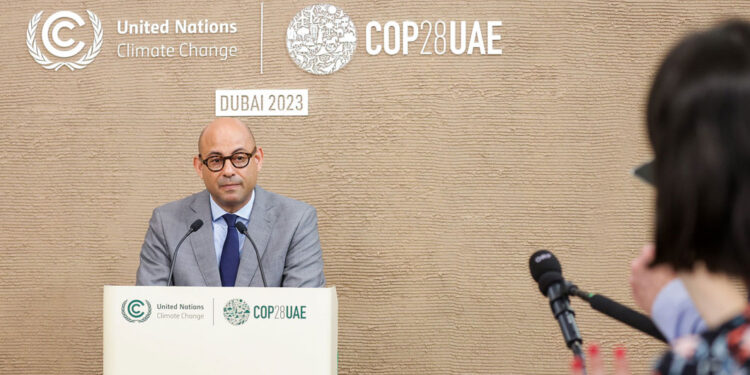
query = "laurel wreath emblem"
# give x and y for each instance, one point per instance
(81, 63)
(131, 320)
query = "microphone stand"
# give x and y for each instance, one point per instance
(558, 297)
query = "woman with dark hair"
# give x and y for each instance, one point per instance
(699, 126)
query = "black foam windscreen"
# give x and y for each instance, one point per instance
(240, 227)
(548, 279)
(196, 225)
(541, 262)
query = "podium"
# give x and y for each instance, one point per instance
(202, 330)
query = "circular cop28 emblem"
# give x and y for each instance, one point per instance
(321, 39)
(236, 312)
(136, 311)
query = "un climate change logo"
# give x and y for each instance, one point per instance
(133, 311)
(236, 312)
(54, 49)
(321, 39)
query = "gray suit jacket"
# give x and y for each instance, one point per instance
(285, 231)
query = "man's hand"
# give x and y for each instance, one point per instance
(645, 282)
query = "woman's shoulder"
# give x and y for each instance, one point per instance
(724, 350)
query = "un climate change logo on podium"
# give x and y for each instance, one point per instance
(54, 46)
(133, 311)
(236, 312)
(321, 39)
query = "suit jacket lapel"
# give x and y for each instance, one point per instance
(202, 241)
(259, 229)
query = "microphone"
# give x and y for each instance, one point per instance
(599, 302)
(546, 270)
(193, 227)
(243, 229)
(620, 312)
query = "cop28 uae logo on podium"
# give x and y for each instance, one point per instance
(136, 311)
(236, 312)
(321, 39)
(54, 49)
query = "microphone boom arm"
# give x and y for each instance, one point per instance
(617, 311)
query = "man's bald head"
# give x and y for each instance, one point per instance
(225, 125)
(229, 146)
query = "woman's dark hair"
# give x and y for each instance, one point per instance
(699, 125)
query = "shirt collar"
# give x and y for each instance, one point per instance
(244, 213)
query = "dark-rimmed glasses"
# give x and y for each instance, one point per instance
(215, 163)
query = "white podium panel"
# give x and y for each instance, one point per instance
(186, 330)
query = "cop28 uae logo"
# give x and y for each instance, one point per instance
(321, 39)
(67, 51)
(136, 311)
(236, 312)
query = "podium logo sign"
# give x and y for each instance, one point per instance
(236, 312)
(321, 39)
(136, 311)
(64, 49)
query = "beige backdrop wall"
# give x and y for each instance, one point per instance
(435, 177)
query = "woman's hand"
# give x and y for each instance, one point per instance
(595, 364)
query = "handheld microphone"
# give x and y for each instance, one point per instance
(243, 229)
(193, 227)
(546, 270)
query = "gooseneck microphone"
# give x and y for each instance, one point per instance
(243, 229)
(193, 227)
(546, 270)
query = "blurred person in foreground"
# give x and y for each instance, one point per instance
(699, 126)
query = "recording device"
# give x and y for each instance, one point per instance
(548, 264)
(193, 227)
(243, 229)
(546, 270)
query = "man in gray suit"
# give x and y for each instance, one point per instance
(284, 230)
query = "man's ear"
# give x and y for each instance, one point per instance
(259, 156)
(198, 165)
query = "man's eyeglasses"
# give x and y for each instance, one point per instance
(215, 163)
